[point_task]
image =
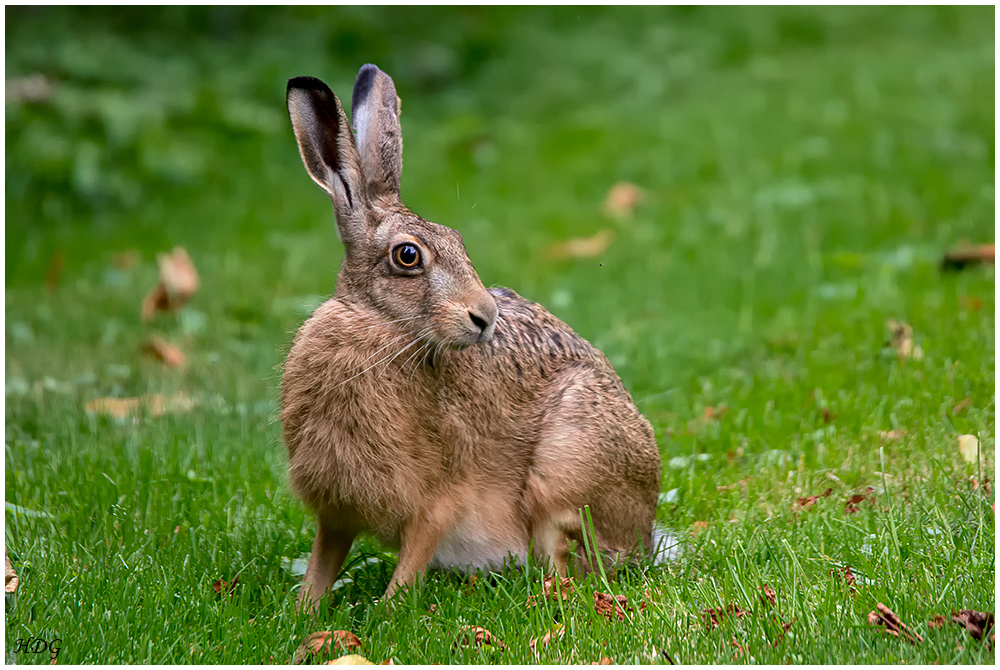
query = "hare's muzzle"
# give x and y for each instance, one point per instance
(483, 318)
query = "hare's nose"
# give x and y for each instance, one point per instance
(478, 321)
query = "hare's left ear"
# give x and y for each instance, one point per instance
(375, 110)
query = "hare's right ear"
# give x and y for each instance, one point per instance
(328, 152)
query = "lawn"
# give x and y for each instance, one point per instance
(802, 172)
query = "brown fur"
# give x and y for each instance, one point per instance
(449, 420)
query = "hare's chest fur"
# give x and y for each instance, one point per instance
(373, 431)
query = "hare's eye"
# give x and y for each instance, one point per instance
(406, 256)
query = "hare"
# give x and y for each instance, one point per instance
(462, 424)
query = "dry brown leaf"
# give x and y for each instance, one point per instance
(740, 649)
(54, 273)
(769, 596)
(742, 485)
(714, 412)
(603, 661)
(851, 505)
(699, 527)
(984, 485)
(610, 605)
(961, 406)
(807, 502)
(621, 200)
(126, 260)
(323, 642)
(978, 624)
(968, 446)
(155, 405)
(478, 636)
(784, 630)
(882, 616)
(937, 622)
(965, 254)
(164, 351)
(556, 587)
(582, 247)
(178, 282)
(10, 577)
(388, 661)
(715, 616)
(222, 586)
(555, 632)
(901, 341)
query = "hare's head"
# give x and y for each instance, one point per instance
(414, 273)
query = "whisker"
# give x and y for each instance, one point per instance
(378, 361)
(389, 362)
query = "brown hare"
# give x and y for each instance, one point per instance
(461, 424)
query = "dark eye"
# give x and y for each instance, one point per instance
(406, 256)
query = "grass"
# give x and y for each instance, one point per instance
(804, 169)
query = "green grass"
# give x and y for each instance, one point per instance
(804, 169)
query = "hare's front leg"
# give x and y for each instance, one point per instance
(418, 542)
(329, 551)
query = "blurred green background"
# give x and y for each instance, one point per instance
(802, 171)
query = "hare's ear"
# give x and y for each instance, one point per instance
(328, 151)
(375, 110)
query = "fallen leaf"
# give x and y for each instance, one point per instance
(714, 412)
(582, 247)
(603, 661)
(178, 282)
(611, 605)
(807, 502)
(971, 303)
(388, 661)
(851, 505)
(432, 609)
(126, 260)
(555, 632)
(621, 200)
(985, 485)
(937, 622)
(961, 406)
(769, 596)
(699, 526)
(164, 351)
(715, 616)
(742, 485)
(784, 630)
(882, 616)
(478, 636)
(55, 270)
(968, 446)
(965, 254)
(10, 577)
(978, 624)
(901, 341)
(222, 586)
(740, 649)
(155, 405)
(556, 587)
(350, 659)
(323, 642)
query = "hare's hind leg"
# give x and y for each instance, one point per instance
(595, 450)
(329, 551)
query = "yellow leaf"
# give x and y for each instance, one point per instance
(350, 659)
(968, 446)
